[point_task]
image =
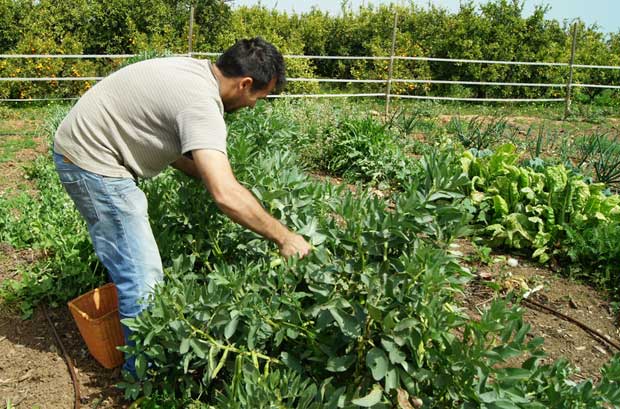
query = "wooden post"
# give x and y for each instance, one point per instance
(569, 85)
(389, 81)
(191, 30)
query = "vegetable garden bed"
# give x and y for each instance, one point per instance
(373, 315)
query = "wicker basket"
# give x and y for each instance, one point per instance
(96, 316)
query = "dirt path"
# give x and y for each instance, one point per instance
(563, 339)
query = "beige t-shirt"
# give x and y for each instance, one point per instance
(138, 120)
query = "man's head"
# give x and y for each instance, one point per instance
(251, 69)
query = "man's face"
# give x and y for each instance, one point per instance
(246, 97)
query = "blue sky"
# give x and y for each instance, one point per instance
(604, 13)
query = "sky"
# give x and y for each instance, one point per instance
(604, 13)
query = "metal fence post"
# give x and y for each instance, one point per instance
(569, 85)
(389, 81)
(190, 35)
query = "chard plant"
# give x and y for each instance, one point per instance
(547, 212)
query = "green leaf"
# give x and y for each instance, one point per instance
(506, 352)
(541, 254)
(340, 364)
(147, 388)
(377, 361)
(374, 312)
(392, 380)
(348, 324)
(371, 399)
(140, 366)
(406, 324)
(186, 360)
(199, 347)
(488, 397)
(502, 404)
(395, 354)
(184, 346)
(292, 362)
(556, 178)
(500, 206)
(149, 337)
(292, 333)
(176, 326)
(513, 375)
(231, 327)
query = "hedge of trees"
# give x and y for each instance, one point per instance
(497, 30)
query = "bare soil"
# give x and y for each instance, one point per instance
(563, 339)
(33, 373)
(524, 122)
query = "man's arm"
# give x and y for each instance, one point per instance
(238, 203)
(186, 166)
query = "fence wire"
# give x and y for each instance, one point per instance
(338, 80)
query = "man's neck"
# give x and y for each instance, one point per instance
(227, 85)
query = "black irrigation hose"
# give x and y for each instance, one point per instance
(593, 333)
(76, 384)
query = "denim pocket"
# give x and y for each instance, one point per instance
(78, 191)
(120, 186)
(126, 195)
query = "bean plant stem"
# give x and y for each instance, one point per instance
(230, 348)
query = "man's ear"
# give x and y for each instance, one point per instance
(246, 83)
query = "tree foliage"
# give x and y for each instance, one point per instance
(497, 30)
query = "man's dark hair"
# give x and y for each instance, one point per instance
(255, 58)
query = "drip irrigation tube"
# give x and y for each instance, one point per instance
(67, 358)
(593, 333)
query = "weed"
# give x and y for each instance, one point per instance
(601, 154)
(407, 121)
(365, 150)
(481, 254)
(11, 145)
(477, 135)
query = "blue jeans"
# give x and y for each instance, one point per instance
(116, 213)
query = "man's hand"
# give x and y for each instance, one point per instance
(294, 245)
(241, 206)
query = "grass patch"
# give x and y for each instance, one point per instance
(10, 145)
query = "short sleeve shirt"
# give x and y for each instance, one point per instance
(138, 120)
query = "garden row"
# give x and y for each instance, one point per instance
(370, 318)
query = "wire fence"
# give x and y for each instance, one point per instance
(343, 80)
